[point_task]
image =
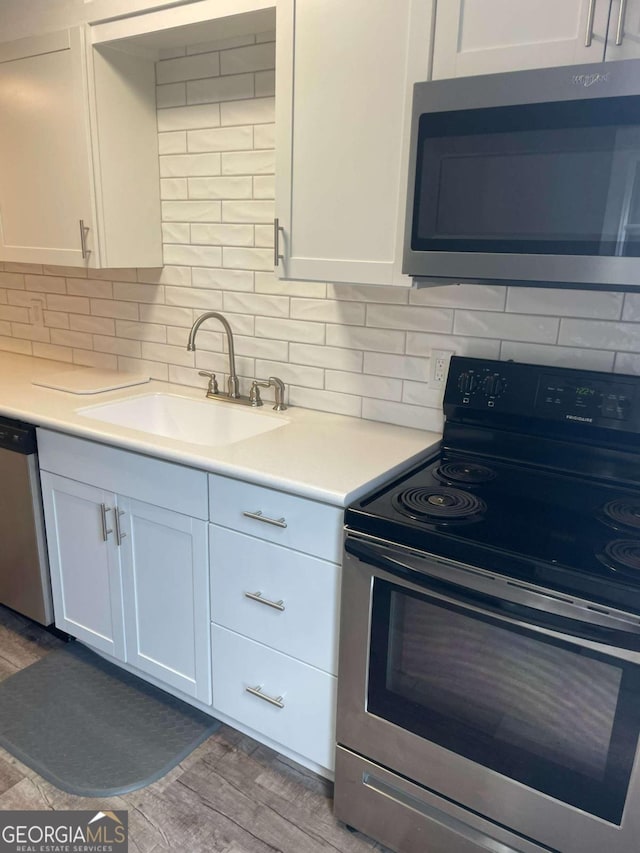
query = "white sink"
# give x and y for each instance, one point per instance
(208, 422)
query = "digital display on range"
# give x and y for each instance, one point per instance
(586, 402)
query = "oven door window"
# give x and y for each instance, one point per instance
(556, 178)
(557, 717)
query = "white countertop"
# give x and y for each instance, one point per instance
(331, 458)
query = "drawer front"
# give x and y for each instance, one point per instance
(144, 478)
(306, 721)
(288, 520)
(280, 597)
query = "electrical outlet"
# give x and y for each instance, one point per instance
(36, 312)
(439, 367)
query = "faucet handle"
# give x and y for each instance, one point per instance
(212, 388)
(254, 394)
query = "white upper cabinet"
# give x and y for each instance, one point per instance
(488, 36)
(344, 75)
(79, 181)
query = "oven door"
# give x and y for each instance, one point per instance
(521, 708)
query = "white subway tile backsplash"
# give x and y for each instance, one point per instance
(264, 186)
(248, 163)
(586, 359)
(256, 304)
(485, 297)
(188, 68)
(290, 330)
(247, 259)
(217, 89)
(89, 323)
(326, 356)
(400, 366)
(220, 139)
(422, 344)
(191, 211)
(221, 234)
(363, 385)
(258, 111)
(247, 211)
(356, 337)
(196, 256)
(565, 303)
(410, 317)
(401, 414)
(351, 349)
(326, 401)
(221, 188)
(253, 58)
(265, 83)
(173, 188)
(171, 95)
(223, 279)
(516, 327)
(189, 118)
(600, 334)
(174, 142)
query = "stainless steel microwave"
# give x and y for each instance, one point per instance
(528, 177)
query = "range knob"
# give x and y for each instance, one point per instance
(493, 385)
(467, 383)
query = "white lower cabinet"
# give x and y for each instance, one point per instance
(85, 565)
(129, 578)
(275, 606)
(271, 693)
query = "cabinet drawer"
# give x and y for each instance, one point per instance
(306, 721)
(298, 613)
(153, 481)
(288, 520)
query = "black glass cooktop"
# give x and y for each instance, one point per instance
(574, 533)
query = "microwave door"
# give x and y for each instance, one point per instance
(622, 214)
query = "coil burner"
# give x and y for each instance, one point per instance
(440, 505)
(622, 513)
(465, 472)
(622, 555)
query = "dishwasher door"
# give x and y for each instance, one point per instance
(24, 568)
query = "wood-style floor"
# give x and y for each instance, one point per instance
(231, 795)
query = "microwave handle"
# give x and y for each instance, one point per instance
(593, 627)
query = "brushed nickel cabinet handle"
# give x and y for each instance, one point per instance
(589, 34)
(258, 516)
(84, 230)
(257, 691)
(104, 509)
(621, 17)
(276, 241)
(257, 596)
(119, 533)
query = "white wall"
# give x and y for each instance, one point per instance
(358, 350)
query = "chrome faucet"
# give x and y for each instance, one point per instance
(233, 388)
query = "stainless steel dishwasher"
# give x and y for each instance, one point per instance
(24, 568)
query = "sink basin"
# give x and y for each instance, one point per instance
(207, 422)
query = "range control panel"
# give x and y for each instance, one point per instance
(493, 388)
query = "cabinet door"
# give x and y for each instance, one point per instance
(624, 30)
(487, 36)
(166, 593)
(44, 150)
(84, 561)
(343, 82)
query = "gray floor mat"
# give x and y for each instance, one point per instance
(93, 729)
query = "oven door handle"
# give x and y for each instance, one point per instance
(593, 628)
